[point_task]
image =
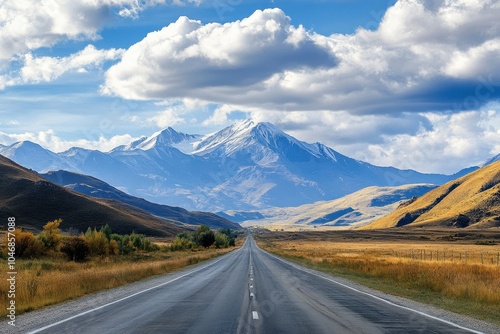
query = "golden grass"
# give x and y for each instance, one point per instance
(473, 195)
(44, 282)
(466, 286)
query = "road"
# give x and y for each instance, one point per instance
(250, 291)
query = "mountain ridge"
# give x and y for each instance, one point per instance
(34, 201)
(96, 188)
(244, 166)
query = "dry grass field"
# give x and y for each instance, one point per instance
(43, 282)
(459, 273)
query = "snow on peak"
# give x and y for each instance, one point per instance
(167, 137)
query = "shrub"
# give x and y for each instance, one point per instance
(76, 248)
(204, 236)
(51, 235)
(114, 248)
(27, 246)
(181, 244)
(97, 241)
(221, 240)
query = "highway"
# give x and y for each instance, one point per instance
(249, 291)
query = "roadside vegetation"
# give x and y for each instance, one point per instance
(53, 267)
(464, 278)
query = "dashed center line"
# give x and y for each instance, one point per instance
(255, 315)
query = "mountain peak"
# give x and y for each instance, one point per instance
(165, 137)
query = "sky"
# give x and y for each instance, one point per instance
(409, 83)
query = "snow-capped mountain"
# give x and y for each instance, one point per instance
(34, 156)
(244, 166)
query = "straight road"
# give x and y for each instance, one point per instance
(250, 291)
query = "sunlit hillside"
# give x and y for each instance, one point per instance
(470, 201)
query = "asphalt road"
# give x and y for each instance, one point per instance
(250, 291)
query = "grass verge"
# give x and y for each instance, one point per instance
(468, 289)
(44, 282)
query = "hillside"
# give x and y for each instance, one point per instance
(350, 211)
(470, 201)
(34, 201)
(96, 188)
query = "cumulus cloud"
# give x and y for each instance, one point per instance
(453, 141)
(188, 59)
(265, 62)
(49, 140)
(38, 69)
(31, 24)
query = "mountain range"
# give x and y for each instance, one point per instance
(245, 166)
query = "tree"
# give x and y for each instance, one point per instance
(107, 231)
(204, 236)
(27, 246)
(221, 240)
(51, 235)
(97, 241)
(75, 248)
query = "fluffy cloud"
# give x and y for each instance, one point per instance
(37, 69)
(28, 25)
(425, 55)
(188, 59)
(31, 24)
(455, 140)
(48, 139)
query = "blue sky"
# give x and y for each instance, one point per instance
(409, 83)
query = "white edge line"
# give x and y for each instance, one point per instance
(119, 300)
(376, 297)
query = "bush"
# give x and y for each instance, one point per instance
(221, 240)
(181, 244)
(114, 248)
(27, 246)
(232, 235)
(50, 237)
(204, 236)
(75, 248)
(97, 241)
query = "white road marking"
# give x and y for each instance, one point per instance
(378, 298)
(122, 299)
(255, 315)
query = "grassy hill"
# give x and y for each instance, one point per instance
(34, 201)
(356, 209)
(93, 187)
(470, 201)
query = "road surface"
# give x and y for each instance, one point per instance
(250, 291)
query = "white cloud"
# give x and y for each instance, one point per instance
(30, 24)
(49, 140)
(38, 69)
(220, 115)
(188, 59)
(454, 141)
(168, 117)
(265, 62)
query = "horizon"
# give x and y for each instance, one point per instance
(407, 84)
